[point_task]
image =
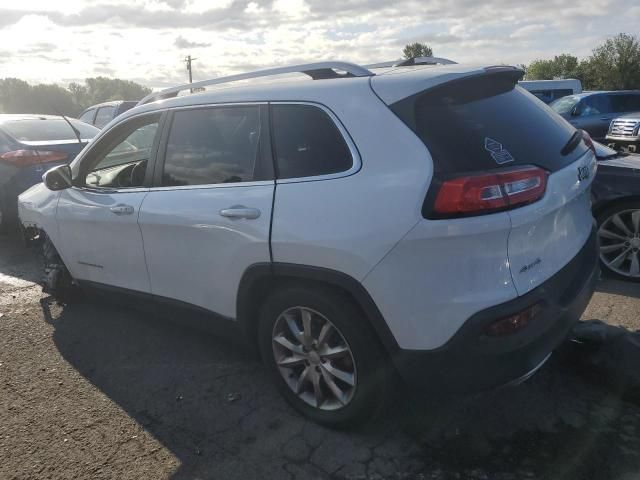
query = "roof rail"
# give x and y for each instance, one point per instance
(412, 61)
(317, 71)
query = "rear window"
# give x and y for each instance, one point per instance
(47, 130)
(548, 96)
(487, 122)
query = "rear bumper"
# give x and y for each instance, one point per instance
(472, 361)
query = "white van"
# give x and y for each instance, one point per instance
(550, 90)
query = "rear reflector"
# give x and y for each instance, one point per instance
(485, 193)
(24, 158)
(514, 323)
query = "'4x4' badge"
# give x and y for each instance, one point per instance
(499, 154)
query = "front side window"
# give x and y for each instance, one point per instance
(213, 145)
(104, 116)
(122, 157)
(595, 105)
(87, 117)
(307, 142)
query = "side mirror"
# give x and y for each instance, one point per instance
(58, 178)
(576, 111)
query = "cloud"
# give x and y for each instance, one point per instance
(182, 42)
(144, 40)
(529, 30)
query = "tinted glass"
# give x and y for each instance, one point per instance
(307, 142)
(595, 105)
(123, 162)
(565, 105)
(213, 145)
(47, 129)
(483, 123)
(625, 103)
(548, 96)
(87, 116)
(104, 116)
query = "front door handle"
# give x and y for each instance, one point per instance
(122, 209)
(240, 211)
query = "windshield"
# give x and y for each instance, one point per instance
(564, 105)
(47, 129)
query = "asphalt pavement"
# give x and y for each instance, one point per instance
(96, 390)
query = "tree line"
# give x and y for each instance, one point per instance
(17, 96)
(613, 65)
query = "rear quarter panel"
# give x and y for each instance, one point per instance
(348, 224)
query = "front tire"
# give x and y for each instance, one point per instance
(56, 280)
(619, 235)
(322, 355)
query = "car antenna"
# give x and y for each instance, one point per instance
(76, 132)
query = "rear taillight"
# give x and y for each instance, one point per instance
(586, 138)
(484, 193)
(24, 158)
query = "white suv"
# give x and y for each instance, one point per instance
(430, 219)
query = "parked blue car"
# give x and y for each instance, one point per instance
(29, 146)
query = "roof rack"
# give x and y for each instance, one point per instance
(412, 61)
(317, 71)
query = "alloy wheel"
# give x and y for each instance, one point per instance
(620, 242)
(314, 358)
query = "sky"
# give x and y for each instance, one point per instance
(49, 41)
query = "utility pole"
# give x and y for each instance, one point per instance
(188, 61)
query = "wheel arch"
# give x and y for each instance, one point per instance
(606, 204)
(259, 280)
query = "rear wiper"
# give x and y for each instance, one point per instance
(573, 142)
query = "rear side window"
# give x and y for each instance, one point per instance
(213, 145)
(625, 103)
(104, 116)
(486, 122)
(307, 142)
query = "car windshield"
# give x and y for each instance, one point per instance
(47, 129)
(564, 105)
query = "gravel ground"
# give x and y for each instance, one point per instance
(99, 391)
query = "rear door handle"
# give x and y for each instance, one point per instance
(122, 209)
(240, 211)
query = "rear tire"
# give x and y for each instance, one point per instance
(619, 235)
(321, 332)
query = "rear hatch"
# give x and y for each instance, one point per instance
(482, 127)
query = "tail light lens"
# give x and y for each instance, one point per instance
(485, 193)
(24, 158)
(586, 138)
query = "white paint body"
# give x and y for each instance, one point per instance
(427, 277)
